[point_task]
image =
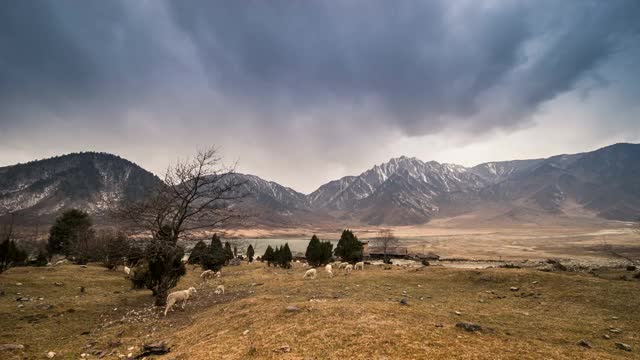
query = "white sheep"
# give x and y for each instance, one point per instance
(310, 273)
(329, 270)
(127, 270)
(219, 290)
(343, 265)
(218, 274)
(359, 265)
(62, 262)
(177, 296)
(207, 274)
(304, 265)
(348, 268)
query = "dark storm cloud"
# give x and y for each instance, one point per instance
(63, 57)
(428, 65)
(314, 83)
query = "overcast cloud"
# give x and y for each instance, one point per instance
(302, 92)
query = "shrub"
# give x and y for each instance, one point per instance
(163, 266)
(11, 255)
(140, 276)
(116, 249)
(41, 259)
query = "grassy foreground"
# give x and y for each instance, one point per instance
(352, 317)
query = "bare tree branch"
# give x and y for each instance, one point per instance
(197, 193)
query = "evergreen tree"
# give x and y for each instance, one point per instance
(164, 265)
(250, 253)
(287, 257)
(199, 251)
(215, 257)
(268, 255)
(67, 230)
(228, 253)
(41, 260)
(318, 252)
(277, 256)
(11, 255)
(349, 248)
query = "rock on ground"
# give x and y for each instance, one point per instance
(469, 326)
(623, 346)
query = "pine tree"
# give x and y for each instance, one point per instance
(318, 252)
(228, 252)
(277, 256)
(199, 251)
(250, 253)
(286, 258)
(67, 230)
(215, 257)
(268, 255)
(349, 248)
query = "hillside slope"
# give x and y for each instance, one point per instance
(89, 181)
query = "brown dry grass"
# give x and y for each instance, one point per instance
(355, 317)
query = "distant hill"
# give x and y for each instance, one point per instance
(604, 183)
(89, 181)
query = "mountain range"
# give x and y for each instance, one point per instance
(604, 183)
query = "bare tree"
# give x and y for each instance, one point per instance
(386, 240)
(196, 194)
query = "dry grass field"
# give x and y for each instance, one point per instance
(358, 316)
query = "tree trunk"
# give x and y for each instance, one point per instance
(161, 295)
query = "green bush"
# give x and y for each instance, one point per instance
(349, 248)
(318, 252)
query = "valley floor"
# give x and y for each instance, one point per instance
(358, 316)
(588, 242)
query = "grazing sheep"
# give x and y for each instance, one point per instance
(219, 290)
(342, 265)
(310, 273)
(329, 270)
(177, 296)
(304, 265)
(359, 265)
(348, 268)
(207, 274)
(62, 262)
(127, 270)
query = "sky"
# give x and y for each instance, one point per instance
(304, 92)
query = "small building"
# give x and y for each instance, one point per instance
(396, 252)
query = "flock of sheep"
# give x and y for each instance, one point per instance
(312, 273)
(184, 295)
